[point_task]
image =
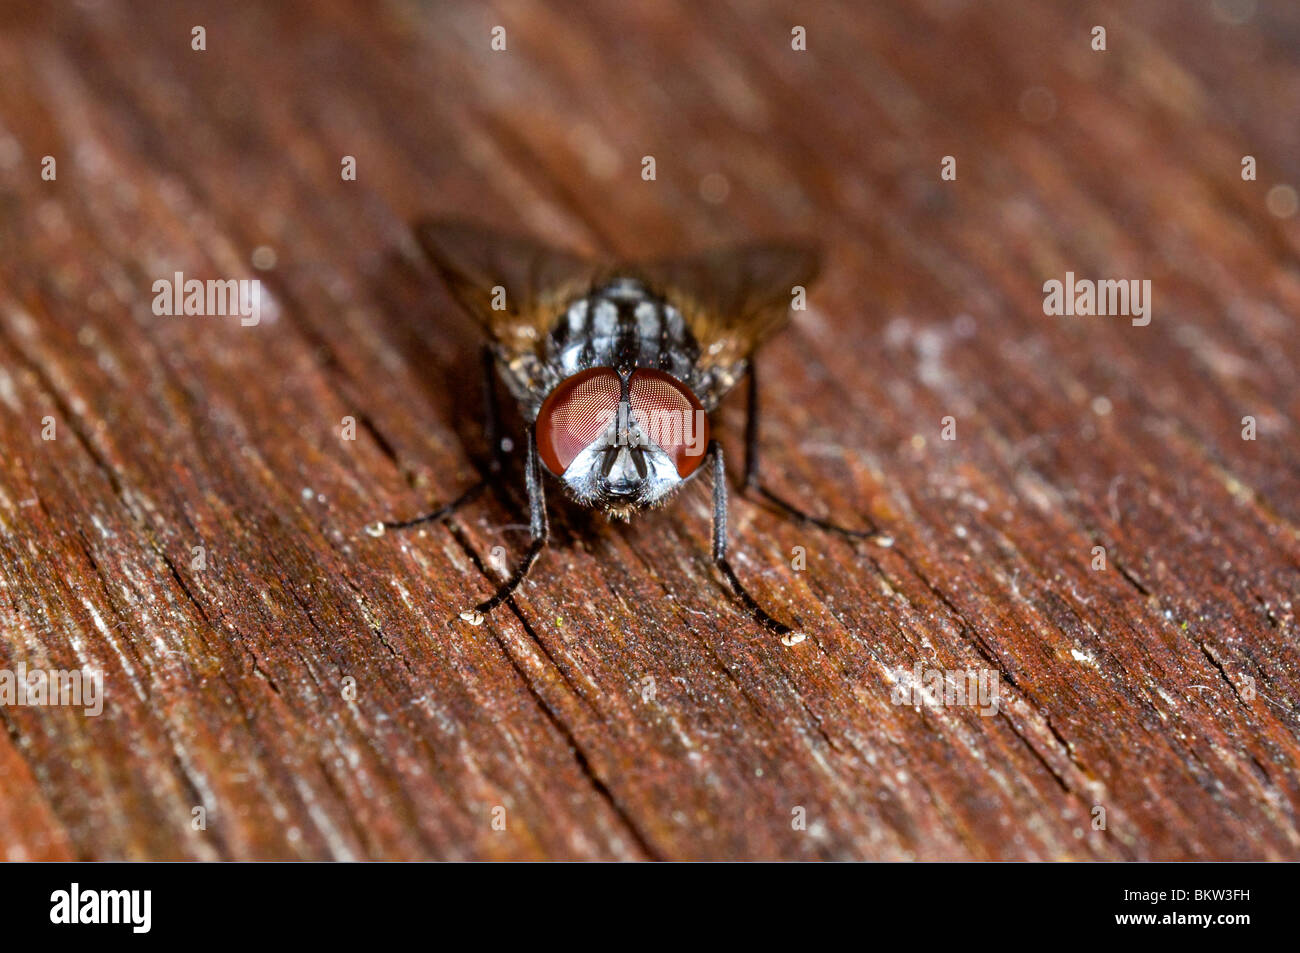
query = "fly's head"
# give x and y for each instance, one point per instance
(622, 442)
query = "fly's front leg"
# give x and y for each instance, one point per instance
(751, 475)
(492, 432)
(539, 531)
(720, 545)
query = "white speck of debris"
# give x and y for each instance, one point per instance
(930, 345)
(885, 541)
(1082, 657)
(472, 616)
(375, 529)
(1101, 406)
(308, 493)
(794, 638)
(960, 531)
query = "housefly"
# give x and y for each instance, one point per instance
(615, 368)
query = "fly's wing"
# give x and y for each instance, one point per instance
(733, 300)
(529, 283)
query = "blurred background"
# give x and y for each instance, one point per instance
(217, 140)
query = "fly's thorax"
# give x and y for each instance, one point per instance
(622, 324)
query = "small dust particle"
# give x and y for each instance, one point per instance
(714, 188)
(472, 616)
(264, 258)
(1101, 406)
(794, 638)
(1282, 201)
(375, 529)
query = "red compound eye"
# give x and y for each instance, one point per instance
(574, 415)
(671, 416)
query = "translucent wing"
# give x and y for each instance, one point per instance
(529, 282)
(733, 299)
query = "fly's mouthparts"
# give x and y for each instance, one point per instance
(607, 464)
(612, 455)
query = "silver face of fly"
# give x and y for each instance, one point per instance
(615, 368)
(620, 475)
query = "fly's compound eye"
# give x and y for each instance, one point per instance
(671, 416)
(574, 415)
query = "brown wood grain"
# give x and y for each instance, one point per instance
(1162, 689)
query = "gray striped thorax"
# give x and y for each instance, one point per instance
(624, 326)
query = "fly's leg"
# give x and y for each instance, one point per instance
(492, 432)
(539, 532)
(751, 475)
(720, 545)
(442, 512)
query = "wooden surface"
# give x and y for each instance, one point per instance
(1162, 689)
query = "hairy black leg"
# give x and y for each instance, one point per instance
(751, 480)
(492, 433)
(539, 532)
(720, 544)
(442, 512)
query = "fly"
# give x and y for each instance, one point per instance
(615, 368)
